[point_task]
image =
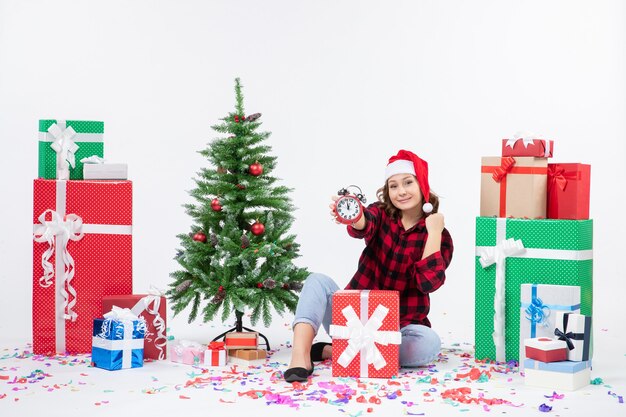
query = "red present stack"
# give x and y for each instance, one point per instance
(366, 333)
(152, 308)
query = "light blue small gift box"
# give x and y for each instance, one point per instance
(117, 344)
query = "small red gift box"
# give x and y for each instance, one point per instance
(82, 251)
(545, 349)
(540, 148)
(568, 191)
(241, 340)
(365, 332)
(152, 309)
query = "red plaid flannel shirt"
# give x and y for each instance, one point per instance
(392, 260)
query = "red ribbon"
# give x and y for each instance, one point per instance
(216, 345)
(556, 175)
(505, 166)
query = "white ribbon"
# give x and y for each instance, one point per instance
(93, 159)
(65, 148)
(498, 254)
(526, 138)
(363, 334)
(64, 229)
(144, 304)
(490, 255)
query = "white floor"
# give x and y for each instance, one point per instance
(68, 386)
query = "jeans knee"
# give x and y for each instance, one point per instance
(420, 346)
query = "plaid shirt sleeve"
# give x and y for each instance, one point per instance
(430, 272)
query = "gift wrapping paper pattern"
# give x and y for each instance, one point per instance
(390, 323)
(102, 259)
(89, 138)
(561, 239)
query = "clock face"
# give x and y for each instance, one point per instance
(349, 208)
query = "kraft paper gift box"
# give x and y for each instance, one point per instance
(513, 187)
(563, 375)
(366, 333)
(118, 341)
(509, 253)
(575, 330)
(539, 307)
(545, 349)
(248, 354)
(63, 143)
(568, 191)
(241, 340)
(82, 252)
(540, 148)
(152, 308)
(187, 352)
(215, 355)
(105, 171)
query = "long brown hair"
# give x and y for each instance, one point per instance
(383, 197)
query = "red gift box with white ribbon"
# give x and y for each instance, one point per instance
(366, 333)
(152, 307)
(82, 252)
(527, 146)
(545, 349)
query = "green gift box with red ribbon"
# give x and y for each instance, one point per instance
(513, 187)
(568, 191)
(511, 252)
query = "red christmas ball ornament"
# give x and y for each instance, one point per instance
(236, 119)
(259, 285)
(286, 286)
(241, 187)
(215, 205)
(199, 237)
(220, 288)
(257, 228)
(255, 169)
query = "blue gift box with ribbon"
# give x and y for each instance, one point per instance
(118, 342)
(539, 308)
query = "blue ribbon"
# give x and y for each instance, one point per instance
(537, 312)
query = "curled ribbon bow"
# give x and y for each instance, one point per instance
(65, 148)
(64, 229)
(505, 166)
(537, 312)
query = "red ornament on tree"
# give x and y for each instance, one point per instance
(236, 119)
(257, 228)
(241, 187)
(255, 169)
(199, 237)
(260, 285)
(215, 205)
(220, 288)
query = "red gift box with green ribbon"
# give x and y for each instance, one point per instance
(82, 252)
(568, 191)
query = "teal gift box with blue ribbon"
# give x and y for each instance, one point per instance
(511, 252)
(539, 307)
(118, 343)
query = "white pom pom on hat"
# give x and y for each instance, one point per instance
(406, 162)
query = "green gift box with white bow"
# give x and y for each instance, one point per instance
(511, 252)
(63, 143)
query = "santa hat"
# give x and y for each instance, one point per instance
(406, 162)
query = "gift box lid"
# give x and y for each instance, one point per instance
(567, 367)
(545, 343)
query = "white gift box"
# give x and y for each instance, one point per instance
(575, 329)
(539, 305)
(565, 375)
(105, 171)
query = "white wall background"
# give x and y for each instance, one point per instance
(342, 85)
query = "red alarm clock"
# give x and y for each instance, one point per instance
(349, 207)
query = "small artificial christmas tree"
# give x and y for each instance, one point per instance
(239, 255)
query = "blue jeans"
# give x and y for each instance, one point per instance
(420, 344)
